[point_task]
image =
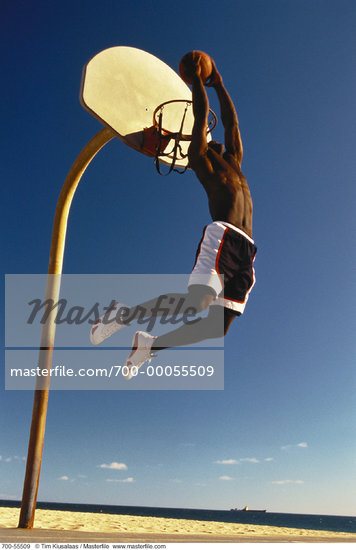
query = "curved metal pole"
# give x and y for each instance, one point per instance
(34, 456)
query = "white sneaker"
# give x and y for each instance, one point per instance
(141, 352)
(108, 323)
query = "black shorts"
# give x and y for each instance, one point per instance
(224, 262)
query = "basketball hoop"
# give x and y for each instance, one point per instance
(212, 122)
(163, 139)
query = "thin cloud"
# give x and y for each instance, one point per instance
(127, 480)
(64, 478)
(114, 466)
(287, 481)
(227, 461)
(11, 458)
(226, 478)
(303, 445)
(269, 459)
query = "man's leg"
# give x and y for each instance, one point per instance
(197, 299)
(172, 308)
(215, 325)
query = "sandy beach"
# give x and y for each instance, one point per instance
(50, 524)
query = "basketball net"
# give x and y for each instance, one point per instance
(162, 143)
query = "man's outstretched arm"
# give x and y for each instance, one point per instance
(233, 143)
(199, 143)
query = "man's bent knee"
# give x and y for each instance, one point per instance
(199, 297)
(219, 321)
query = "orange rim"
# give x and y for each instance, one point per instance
(182, 137)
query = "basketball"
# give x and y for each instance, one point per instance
(186, 66)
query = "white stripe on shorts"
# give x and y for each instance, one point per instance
(204, 271)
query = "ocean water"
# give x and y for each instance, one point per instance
(346, 524)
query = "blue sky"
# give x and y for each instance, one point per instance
(282, 434)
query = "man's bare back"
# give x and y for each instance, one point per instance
(219, 171)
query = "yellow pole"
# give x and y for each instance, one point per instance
(35, 447)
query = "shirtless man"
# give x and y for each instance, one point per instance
(226, 248)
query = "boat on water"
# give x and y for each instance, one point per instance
(246, 509)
